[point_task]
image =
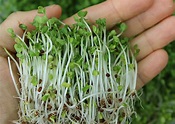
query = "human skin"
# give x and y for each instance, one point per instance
(151, 21)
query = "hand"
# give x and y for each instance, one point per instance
(146, 19)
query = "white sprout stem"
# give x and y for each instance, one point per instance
(13, 79)
(54, 92)
(16, 63)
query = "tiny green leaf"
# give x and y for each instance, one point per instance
(39, 21)
(82, 13)
(23, 26)
(117, 68)
(70, 74)
(85, 66)
(112, 33)
(92, 49)
(38, 46)
(116, 39)
(65, 84)
(44, 29)
(52, 95)
(50, 58)
(50, 88)
(101, 22)
(44, 57)
(131, 66)
(64, 30)
(136, 50)
(72, 65)
(18, 48)
(63, 114)
(123, 27)
(34, 81)
(120, 87)
(45, 97)
(71, 39)
(19, 55)
(95, 73)
(51, 76)
(33, 53)
(94, 28)
(112, 46)
(17, 40)
(86, 88)
(125, 104)
(11, 32)
(100, 115)
(52, 118)
(76, 18)
(29, 35)
(60, 41)
(53, 20)
(41, 10)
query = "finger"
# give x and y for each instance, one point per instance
(150, 66)
(114, 11)
(155, 38)
(157, 12)
(26, 18)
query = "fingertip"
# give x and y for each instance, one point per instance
(53, 11)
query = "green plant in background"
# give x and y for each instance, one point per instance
(69, 7)
(158, 98)
(6, 8)
(74, 74)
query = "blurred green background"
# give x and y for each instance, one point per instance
(158, 98)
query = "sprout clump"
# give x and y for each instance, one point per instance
(78, 74)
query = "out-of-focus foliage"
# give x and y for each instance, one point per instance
(69, 7)
(158, 99)
(7, 7)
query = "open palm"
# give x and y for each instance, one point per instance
(149, 20)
